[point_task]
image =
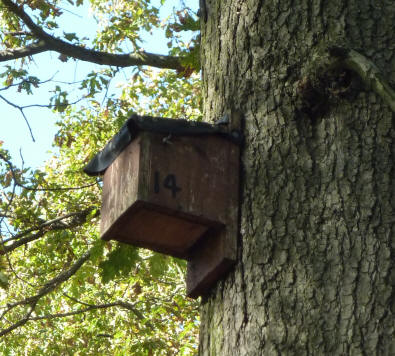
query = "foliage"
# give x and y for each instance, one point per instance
(64, 291)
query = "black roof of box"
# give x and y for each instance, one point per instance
(135, 124)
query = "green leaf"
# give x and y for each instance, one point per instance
(119, 262)
(70, 36)
(158, 264)
(3, 280)
(97, 250)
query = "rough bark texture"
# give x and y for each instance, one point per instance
(315, 273)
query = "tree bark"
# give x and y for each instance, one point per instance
(315, 270)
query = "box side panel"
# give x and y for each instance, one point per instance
(215, 256)
(120, 186)
(210, 262)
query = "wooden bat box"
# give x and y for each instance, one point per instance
(179, 196)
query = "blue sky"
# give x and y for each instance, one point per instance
(14, 131)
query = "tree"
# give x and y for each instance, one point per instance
(66, 291)
(315, 269)
(315, 274)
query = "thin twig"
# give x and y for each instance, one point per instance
(50, 80)
(23, 114)
(81, 311)
(48, 106)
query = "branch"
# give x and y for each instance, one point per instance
(367, 71)
(128, 306)
(21, 52)
(22, 108)
(30, 82)
(81, 311)
(17, 33)
(98, 57)
(79, 218)
(19, 323)
(120, 303)
(47, 288)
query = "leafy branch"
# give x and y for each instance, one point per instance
(48, 106)
(30, 81)
(25, 237)
(18, 183)
(47, 42)
(46, 289)
(78, 217)
(22, 238)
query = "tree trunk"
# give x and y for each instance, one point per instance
(315, 270)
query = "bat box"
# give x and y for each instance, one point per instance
(172, 186)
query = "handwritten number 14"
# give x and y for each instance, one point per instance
(169, 182)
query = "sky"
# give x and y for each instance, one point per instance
(14, 131)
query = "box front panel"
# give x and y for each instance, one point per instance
(195, 175)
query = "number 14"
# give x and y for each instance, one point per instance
(169, 183)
